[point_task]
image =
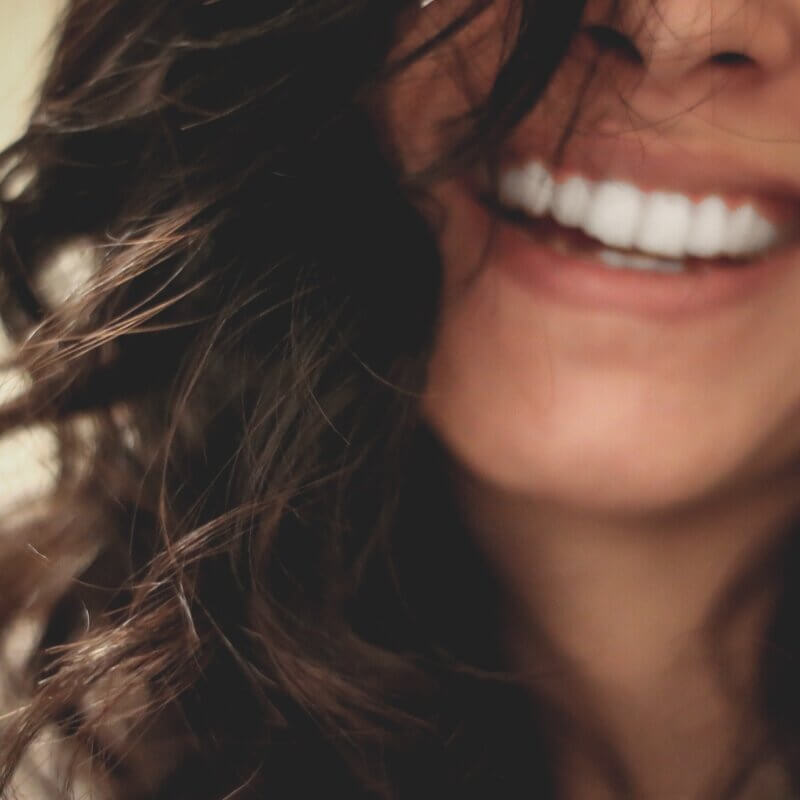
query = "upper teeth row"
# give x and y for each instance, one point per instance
(620, 215)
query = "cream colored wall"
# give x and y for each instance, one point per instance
(24, 28)
(26, 457)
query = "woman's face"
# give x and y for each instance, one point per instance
(628, 388)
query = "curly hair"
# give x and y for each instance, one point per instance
(252, 577)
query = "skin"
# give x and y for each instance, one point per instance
(621, 470)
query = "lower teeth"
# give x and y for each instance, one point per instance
(618, 259)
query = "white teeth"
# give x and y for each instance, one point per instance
(570, 201)
(708, 230)
(614, 216)
(764, 235)
(534, 183)
(542, 188)
(663, 224)
(616, 259)
(737, 235)
(748, 232)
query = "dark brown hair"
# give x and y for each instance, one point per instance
(253, 580)
(249, 568)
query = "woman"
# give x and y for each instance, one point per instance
(428, 419)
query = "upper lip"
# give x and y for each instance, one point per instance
(657, 164)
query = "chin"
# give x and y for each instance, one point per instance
(613, 412)
(596, 461)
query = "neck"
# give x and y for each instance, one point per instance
(632, 610)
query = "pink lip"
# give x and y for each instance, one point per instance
(585, 282)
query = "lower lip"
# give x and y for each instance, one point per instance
(581, 280)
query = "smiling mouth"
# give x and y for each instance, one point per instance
(615, 223)
(545, 231)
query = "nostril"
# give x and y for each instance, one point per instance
(608, 39)
(731, 58)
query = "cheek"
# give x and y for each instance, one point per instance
(415, 111)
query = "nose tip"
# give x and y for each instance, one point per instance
(676, 38)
